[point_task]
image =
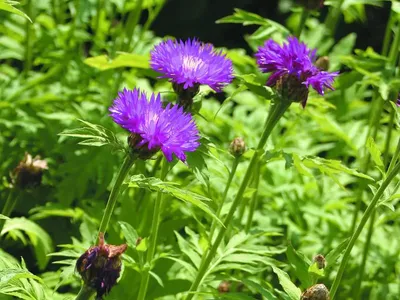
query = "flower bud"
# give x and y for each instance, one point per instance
(29, 172)
(319, 259)
(138, 241)
(316, 292)
(138, 148)
(237, 147)
(185, 96)
(322, 63)
(292, 89)
(100, 266)
(311, 4)
(224, 287)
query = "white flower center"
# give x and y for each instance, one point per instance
(191, 63)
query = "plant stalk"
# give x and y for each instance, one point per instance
(28, 39)
(112, 200)
(303, 18)
(228, 184)
(356, 234)
(333, 18)
(86, 293)
(153, 237)
(253, 205)
(274, 116)
(11, 201)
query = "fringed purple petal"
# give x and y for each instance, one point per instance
(169, 129)
(191, 62)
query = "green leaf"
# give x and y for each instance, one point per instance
(243, 17)
(3, 217)
(94, 135)
(129, 233)
(103, 62)
(374, 151)
(142, 247)
(9, 6)
(41, 241)
(334, 254)
(291, 290)
(264, 292)
(300, 265)
(155, 184)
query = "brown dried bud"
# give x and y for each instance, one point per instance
(322, 63)
(185, 96)
(29, 172)
(237, 147)
(224, 287)
(311, 4)
(100, 266)
(292, 89)
(139, 239)
(142, 151)
(320, 260)
(316, 292)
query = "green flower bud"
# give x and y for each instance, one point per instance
(237, 147)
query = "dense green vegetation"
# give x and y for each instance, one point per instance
(312, 200)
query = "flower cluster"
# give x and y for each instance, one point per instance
(153, 127)
(191, 63)
(100, 266)
(292, 65)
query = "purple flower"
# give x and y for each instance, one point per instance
(191, 63)
(294, 59)
(153, 127)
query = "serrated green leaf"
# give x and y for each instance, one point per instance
(155, 184)
(9, 6)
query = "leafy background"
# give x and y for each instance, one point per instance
(64, 61)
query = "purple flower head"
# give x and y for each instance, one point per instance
(153, 127)
(191, 63)
(293, 59)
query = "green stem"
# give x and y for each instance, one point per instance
(394, 50)
(333, 17)
(357, 289)
(360, 227)
(388, 137)
(388, 33)
(394, 158)
(228, 184)
(253, 205)
(112, 200)
(28, 39)
(303, 18)
(133, 20)
(97, 21)
(153, 237)
(11, 201)
(86, 293)
(275, 114)
(375, 114)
